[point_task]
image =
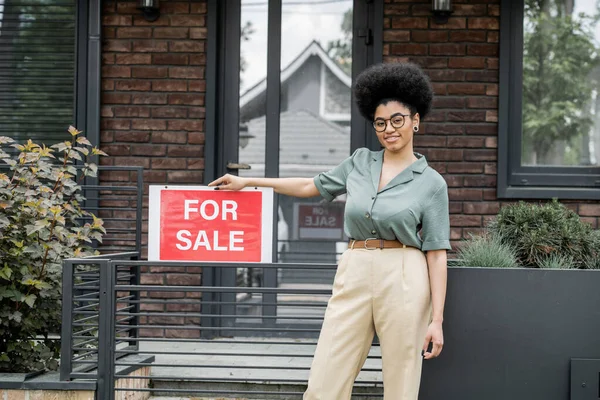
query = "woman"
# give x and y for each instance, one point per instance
(392, 279)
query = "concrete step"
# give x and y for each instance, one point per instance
(255, 391)
(196, 398)
(231, 371)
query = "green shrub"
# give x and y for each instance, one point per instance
(537, 232)
(593, 260)
(487, 252)
(41, 223)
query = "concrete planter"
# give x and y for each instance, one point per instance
(511, 334)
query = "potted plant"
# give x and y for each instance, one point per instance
(524, 323)
(548, 236)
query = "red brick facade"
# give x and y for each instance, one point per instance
(154, 83)
(153, 90)
(153, 93)
(460, 137)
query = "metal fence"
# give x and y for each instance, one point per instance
(117, 197)
(196, 338)
(81, 319)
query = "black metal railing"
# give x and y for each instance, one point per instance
(117, 197)
(81, 320)
(198, 338)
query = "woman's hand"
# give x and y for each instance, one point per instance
(434, 335)
(229, 182)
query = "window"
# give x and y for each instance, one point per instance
(549, 117)
(37, 69)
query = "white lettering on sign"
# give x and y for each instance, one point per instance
(182, 238)
(228, 207)
(318, 221)
(202, 240)
(233, 240)
(187, 209)
(215, 213)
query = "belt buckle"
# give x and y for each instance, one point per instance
(370, 248)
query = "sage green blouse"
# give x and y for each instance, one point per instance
(412, 207)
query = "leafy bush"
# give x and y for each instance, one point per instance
(537, 232)
(41, 223)
(487, 252)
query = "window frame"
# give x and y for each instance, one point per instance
(86, 76)
(88, 66)
(221, 123)
(223, 45)
(514, 180)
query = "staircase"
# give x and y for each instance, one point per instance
(283, 376)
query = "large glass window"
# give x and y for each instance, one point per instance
(549, 127)
(561, 73)
(37, 68)
(314, 114)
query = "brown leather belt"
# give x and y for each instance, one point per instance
(372, 244)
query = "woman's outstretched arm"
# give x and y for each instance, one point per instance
(297, 187)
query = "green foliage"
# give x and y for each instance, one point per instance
(557, 261)
(245, 35)
(340, 50)
(593, 260)
(41, 223)
(538, 232)
(559, 56)
(487, 251)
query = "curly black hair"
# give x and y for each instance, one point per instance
(405, 83)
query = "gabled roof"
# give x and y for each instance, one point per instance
(313, 49)
(308, 144)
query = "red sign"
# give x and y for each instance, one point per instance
(208, 225)
(319, 221)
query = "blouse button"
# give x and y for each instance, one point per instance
(373, 231)
(367, 215)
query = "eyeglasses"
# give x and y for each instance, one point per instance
(396, 120)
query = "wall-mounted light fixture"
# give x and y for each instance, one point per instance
(441, 10)
(150, 8)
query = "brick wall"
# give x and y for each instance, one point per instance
(185, 304)
(154, 86)
(459, 139)
(153, 93)
(153, 90)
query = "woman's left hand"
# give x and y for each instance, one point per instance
(434, 335)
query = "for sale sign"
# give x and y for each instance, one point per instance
(198, 223)
(319, 221)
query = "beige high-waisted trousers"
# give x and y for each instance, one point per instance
(375, 291)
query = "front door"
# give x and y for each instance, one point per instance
(283, 108)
